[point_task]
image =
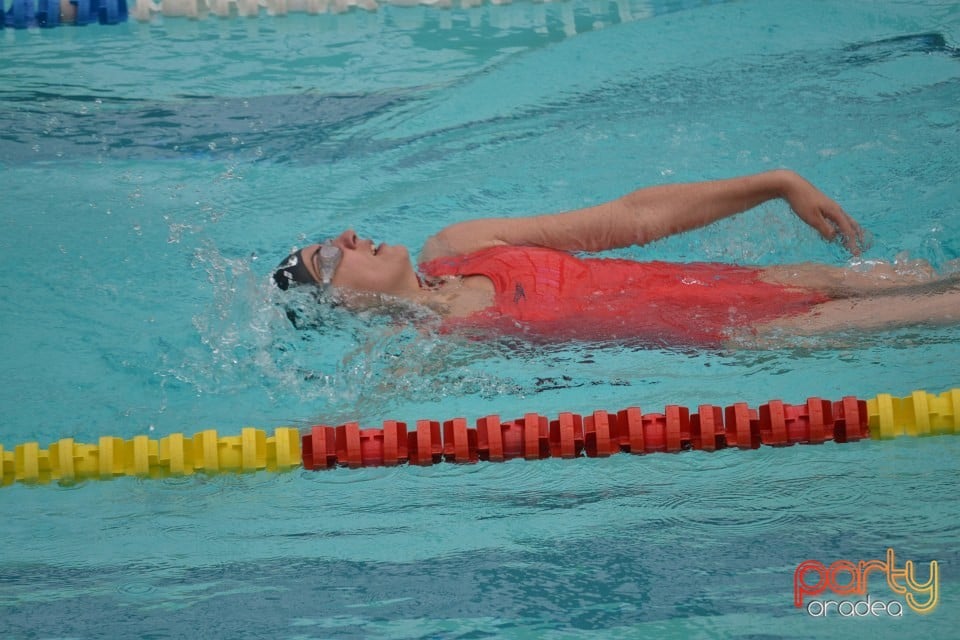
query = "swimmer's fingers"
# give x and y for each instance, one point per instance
(823, 214)
(834, 222)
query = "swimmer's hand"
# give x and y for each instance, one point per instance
(823, 214)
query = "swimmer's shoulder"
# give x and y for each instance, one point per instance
(466, 237)
(435, 247)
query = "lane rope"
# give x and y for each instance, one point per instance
(531, 437)
(47, 14)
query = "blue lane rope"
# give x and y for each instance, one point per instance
(48, 13)
(23, 14)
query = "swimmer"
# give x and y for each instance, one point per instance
(527, 275)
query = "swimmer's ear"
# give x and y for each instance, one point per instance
(310, 308)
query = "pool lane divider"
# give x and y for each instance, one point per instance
(24, 14)
(532, 437)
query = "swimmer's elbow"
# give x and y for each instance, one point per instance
(619, 225)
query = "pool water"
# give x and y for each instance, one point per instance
(154, 173)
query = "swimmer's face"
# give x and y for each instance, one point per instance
(366, 267)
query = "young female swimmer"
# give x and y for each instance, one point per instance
(520, 275)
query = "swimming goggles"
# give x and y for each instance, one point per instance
(293, 269)
(328, 257)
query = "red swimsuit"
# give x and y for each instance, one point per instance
(549, 293)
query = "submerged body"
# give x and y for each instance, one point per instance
(547, 293)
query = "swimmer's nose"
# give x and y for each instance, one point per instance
(348, 239)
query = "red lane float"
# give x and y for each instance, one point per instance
(598, 435)
(532, 437)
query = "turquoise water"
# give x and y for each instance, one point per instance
(154, 173)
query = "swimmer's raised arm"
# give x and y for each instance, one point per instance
(649, 214)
